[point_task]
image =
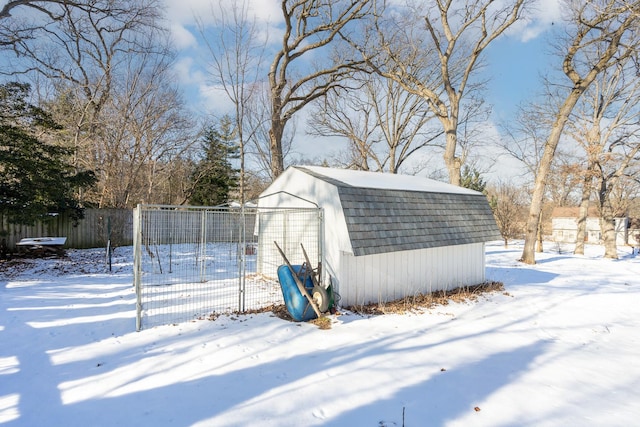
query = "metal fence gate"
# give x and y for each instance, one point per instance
(195, 262)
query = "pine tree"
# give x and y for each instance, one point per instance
(35, 178)
(470, 178)
(214, 177)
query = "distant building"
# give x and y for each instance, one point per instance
(564, 226)
(633, 233)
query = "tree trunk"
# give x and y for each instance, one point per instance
(275, 145)
(392, 160)
(584, 211)
(550, 147)
(531, 232)
(242, 171)
(582, 227)
(453, 163)
(607, 226)
(540, 246)
(607, 223)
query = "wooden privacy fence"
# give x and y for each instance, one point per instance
(90, 232)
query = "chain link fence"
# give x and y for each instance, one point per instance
(195, 262)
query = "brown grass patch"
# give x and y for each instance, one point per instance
(322, 322)
(420, 302)
(281, 312)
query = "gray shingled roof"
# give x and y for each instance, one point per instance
(384, 220)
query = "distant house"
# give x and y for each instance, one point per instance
(564, 225)
(389, 236)
(633, 233)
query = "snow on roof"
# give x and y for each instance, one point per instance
(387, 181)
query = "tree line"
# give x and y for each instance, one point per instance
(400, 84)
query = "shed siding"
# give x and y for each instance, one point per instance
(381, 278)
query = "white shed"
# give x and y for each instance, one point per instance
(388, 236)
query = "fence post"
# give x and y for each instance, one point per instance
(137, 263)
(203, 246)
(243, 255)
(321, 244)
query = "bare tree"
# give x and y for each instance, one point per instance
(525, 137)
(385, 124)
(83, 45)
(145, 128)
(437, 59)
(106, 66)
(612, 26)
(525, 143)
(606, 125)
(24, 20)
(259, 157)
(44, 7)
(619, 157)
(237, 53)
(309, 26)
(348, 114)
(563, 182)
(625, 195)
(508, 203)
(78, 49)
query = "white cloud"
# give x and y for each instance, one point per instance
(182, 38)
(266, 10)
(203, 95)
(187, 71)
(215, 100)
(185, 12)
(185, 16)
(548, 10)
(541, 16)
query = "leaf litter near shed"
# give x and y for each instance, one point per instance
(419, 302)
(410, 304)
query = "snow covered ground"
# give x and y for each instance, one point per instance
(561, 347)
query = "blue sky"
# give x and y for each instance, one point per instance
(514, 64)
(514, 68)
(514, 61)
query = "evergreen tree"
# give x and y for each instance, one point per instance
(214, 177)
(471, 179)
(35, 178)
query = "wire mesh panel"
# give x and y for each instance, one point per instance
(293, 230)
(191, 262)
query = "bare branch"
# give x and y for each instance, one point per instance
(310, 25)
(438, 62)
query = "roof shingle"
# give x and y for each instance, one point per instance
(389, 220)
